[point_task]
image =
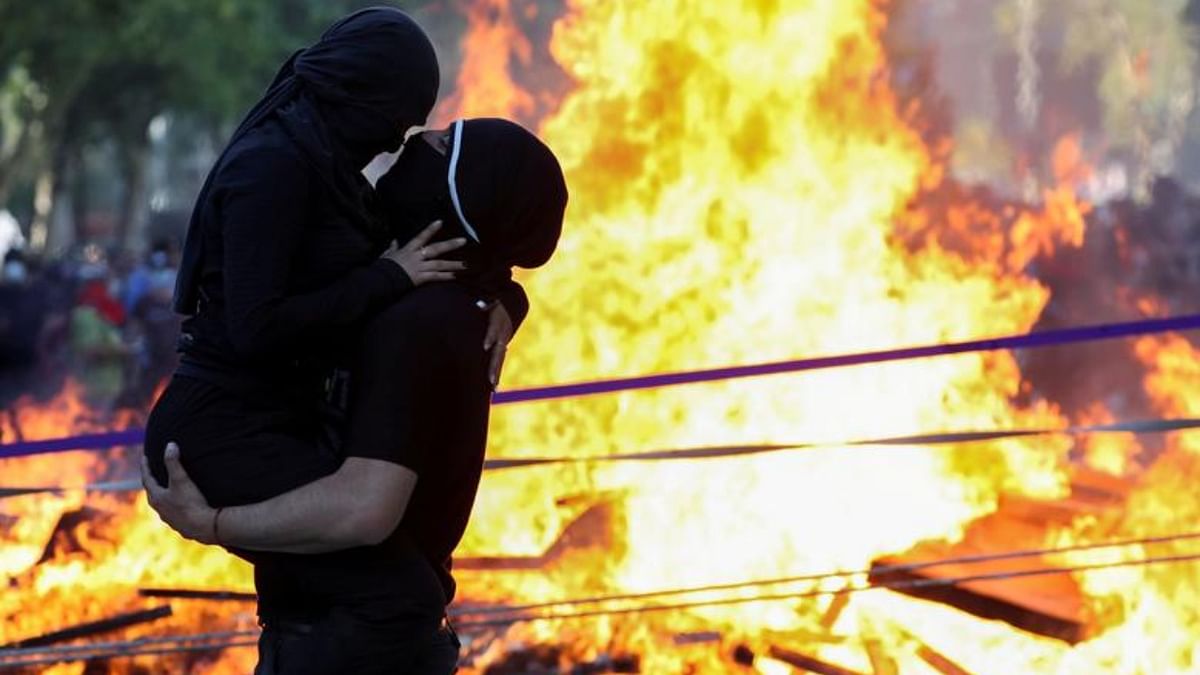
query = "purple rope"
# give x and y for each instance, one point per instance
(110, 439)
(1047, 338)
(1040, 339)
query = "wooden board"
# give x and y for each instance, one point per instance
(1049, 605)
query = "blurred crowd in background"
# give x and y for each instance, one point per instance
(102, 318)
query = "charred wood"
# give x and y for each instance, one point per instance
(805, 662)
(91, 628)
(196, 594)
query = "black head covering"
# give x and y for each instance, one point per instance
(511, 190)
(345, 99)
(511, 194)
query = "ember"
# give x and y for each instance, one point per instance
(747, 187)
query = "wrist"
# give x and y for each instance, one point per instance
(397, 275)
(216, 525)
(206, 526)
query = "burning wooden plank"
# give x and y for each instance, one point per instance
(1049, 608)
(66, 538)
(21, 492)
(808, 663)
(197, 594)
(940, 662)
(91, 628)
(881, 662)
(590, 529)
(1049, 605)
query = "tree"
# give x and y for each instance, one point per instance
(78, 73)
(1140, 58)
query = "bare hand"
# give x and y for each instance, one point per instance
(418, 258)
(181, 506)
(499, 334)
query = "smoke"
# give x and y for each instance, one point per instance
(1015, 76)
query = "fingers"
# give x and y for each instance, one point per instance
(153, 489)
(497, 363)
(499, 329)
(436, 250)
(446, 265)
(423, 236)
(495, 329)
(175, 473)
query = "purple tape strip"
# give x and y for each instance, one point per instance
(1040, 339)
(110, 439)
(1028, 340)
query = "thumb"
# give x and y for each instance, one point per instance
(152, 487)
(175, 473)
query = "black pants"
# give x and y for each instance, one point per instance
(242, 448)
(239, 447)
(337, 643)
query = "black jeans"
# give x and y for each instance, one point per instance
(337, 643)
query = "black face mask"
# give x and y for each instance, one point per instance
(414, 192)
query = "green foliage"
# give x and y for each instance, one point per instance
(108, 66)
(1121, 72)
(88, 72)
(114, 59)
(1146, 56)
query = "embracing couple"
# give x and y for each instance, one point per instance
(328, 418)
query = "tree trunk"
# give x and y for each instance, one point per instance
(10, 164)
(60, 232)
(132, 216)
(79, 187)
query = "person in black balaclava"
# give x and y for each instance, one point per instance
(285, 258)
(508, 206)
(418, 416)
(503, 189)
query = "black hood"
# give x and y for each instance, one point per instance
(343, 100)
(510, 190)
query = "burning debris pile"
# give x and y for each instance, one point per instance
(746, 187)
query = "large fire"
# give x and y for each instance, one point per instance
(745, 187)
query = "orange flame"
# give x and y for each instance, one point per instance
(485, 86)
(745, 188)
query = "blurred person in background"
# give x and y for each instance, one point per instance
(11, 238)
(140, 279)
(22, 313)
(99, 353)
(154, 330)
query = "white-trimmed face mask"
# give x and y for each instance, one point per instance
(455, 152)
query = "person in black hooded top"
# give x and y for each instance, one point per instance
(417, 418)
(283, 256)
(286, 257)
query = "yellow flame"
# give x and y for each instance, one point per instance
(736, 171)
(746, 188)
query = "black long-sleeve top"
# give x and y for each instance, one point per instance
(286, 278)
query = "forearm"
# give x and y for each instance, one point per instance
(358, 505)
(314, 518)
